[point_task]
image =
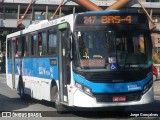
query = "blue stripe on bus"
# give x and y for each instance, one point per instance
(35, 67)
(9, 66)
(113, 87)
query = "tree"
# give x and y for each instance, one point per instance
(5, 33)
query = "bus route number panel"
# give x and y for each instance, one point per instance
(108, 19)
(89, 20)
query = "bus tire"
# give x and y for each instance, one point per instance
(21, 89)
(55, 98)
(61, 109)
(54, 93)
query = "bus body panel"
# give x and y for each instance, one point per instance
(38, 88)
(37, 75)
(37, 82)
(8, 73)
(114, 87)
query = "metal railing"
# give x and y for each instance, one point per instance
(14, 16)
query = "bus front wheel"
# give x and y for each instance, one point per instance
(55, 98)
(61, 109)
(54, 93)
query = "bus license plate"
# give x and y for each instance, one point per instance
(119, 98)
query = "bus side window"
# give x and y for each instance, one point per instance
(34, 44)
(20, 46)
(16, 47)
(44, 43)
(40, 43)
(26, 46)
(52, 42)
(9, 48)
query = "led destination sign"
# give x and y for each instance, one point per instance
(91, 20)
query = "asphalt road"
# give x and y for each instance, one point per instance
(10, 102)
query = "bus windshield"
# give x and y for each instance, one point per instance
(111, 50)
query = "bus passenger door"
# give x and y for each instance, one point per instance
(64, 65)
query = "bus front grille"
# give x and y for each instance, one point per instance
(109, 97)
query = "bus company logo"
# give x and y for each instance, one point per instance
(43, 71)
(21, 114)
(6, 114)
(134, 87)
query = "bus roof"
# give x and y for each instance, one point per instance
(42, 24)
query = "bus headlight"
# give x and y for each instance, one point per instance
(78, 85)
(87, 90)
(83, 88)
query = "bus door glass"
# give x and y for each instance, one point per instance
(13, 55)
(64, 62)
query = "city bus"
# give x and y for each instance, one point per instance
(91, 60)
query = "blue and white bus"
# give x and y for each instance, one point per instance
(91, 59)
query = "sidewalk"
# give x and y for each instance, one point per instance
(157, 87)
(2, 74)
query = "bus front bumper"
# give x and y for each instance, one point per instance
(83, 100)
